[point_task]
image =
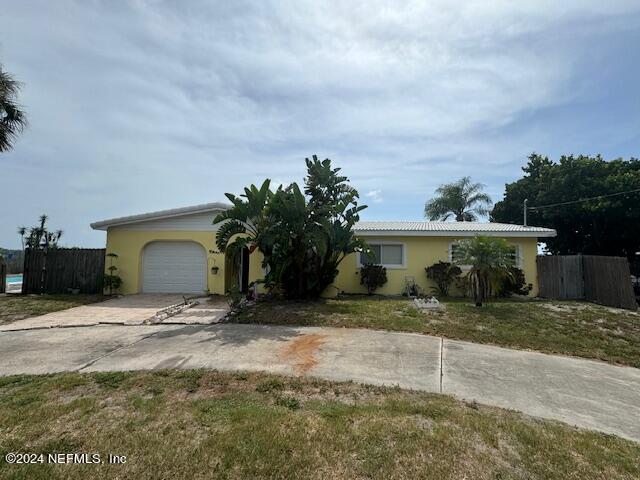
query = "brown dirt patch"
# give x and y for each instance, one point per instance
(301, 351)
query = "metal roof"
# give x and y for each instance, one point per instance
(174, 212)
(451, 228)
(362, 228)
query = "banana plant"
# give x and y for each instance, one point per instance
(302, 234)
(243, 224)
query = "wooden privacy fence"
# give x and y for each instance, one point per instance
(3, 275)
(603, 280)
(61, 269)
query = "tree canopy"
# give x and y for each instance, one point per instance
(12, 119)
(303, 234)
(603, 226)
(463, 200)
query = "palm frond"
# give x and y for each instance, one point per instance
(12, 119)
(463, 200)
(227, 231)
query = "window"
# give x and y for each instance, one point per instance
(387, 254)
(454, 253)
(516, 255)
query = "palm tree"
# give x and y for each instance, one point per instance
(491, 260)
(463, 200)
(245, 221)
(12, 120)
(22, 231)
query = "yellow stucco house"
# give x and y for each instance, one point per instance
(174, 251)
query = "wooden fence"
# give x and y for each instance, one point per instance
(3, 275)
(62, 269)
(598, 279)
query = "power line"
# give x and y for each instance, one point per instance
(582, 200)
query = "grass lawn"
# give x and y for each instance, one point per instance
(204, 424)
(16, 307)
(571, 328)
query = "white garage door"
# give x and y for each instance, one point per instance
(174, 267)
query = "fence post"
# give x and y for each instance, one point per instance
(3, 275)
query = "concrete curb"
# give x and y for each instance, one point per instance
(161, 315)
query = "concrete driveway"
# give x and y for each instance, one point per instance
(585, 393)
(126, 310)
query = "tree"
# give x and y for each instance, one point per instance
(39, 236)
(463, 200)
(12, 120)
(603, 226)
(22, 231)
(303, 235)
(246, 221)
(491, 260)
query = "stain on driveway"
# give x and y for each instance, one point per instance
(301, 352)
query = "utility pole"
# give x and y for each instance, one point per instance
(525, 211)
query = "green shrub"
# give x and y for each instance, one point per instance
(514, 284)
(112, 282)
(373, 277)
(444, 274)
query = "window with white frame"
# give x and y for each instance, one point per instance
(390, 255)
(516, 254)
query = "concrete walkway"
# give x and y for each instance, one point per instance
(127, 310)
(585, 393)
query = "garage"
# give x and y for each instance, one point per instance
(174, 267)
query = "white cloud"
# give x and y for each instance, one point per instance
(374, 196)
(145, 105)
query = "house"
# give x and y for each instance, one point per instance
(174, 251)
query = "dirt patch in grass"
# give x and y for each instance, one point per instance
(17, 307)
(570, 328)
(204, 424)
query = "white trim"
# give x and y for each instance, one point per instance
(161, 214)
(451, 233)
(402, 266)
(519, 256)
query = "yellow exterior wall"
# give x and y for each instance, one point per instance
(422, 252)
(129, 244)
(256, 271)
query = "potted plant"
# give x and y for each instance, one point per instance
(111, 279)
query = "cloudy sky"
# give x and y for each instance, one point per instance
(145, 105)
